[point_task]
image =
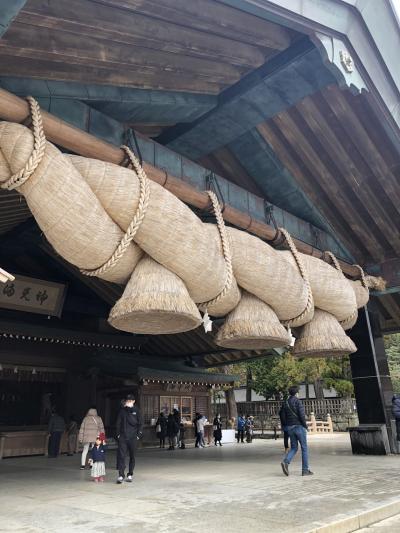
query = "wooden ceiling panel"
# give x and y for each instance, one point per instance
(336, 149)
(312, 160)
(184, 45)
(10, 65)
(72, 48)
(348, 175)
(211, 16)
(312, 187)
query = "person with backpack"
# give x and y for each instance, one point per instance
(293, 419)
(241, 424)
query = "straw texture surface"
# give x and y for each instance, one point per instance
(170, 232)
(252, 325)
(230, 300)
(155, 301)
(323, 336)
(64, 206)
(331, 290)
(361, 293)
(262, 271)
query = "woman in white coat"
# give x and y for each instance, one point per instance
(92, 425)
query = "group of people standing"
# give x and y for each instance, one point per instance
(245, 426)
(173, 428)
(91, 435)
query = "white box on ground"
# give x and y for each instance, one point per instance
(228, 435)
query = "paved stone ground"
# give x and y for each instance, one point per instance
(239, 487)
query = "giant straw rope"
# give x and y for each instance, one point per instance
(230, 273)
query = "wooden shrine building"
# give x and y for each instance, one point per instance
(289, 110)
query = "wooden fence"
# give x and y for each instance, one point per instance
(270, 409)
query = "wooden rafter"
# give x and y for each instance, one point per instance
(310, 185)
(348, 174)
(311, 158)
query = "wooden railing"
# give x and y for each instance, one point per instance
(270, 409)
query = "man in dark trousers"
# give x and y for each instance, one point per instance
(56, 429)
(293, 419)
(129, 430)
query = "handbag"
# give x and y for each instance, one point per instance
(158, 428)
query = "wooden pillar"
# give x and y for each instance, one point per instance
(373, 388)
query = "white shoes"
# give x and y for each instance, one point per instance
(120, 479)
(129, 479)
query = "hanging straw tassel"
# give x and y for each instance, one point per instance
(155, 301)
(252, 325)
(323, 337)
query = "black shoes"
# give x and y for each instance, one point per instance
(285, 468)
(307, 473)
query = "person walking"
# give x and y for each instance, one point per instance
(129, 430)
(98, 458)
(92, 425)
(72, 435)
(217, 427)
(241, 423)
(161, 429)
(56, 429)
(200, 423)
(172, 431)
(293, 417)
(396, 413)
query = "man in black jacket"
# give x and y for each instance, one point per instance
(294, 421)
(129, 430)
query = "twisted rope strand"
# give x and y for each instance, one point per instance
(293, 322)
(225, 250)
(350, 319)
(362, 277)
(39, 146)
(334, 260)
(126, 240)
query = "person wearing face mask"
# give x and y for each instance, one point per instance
(129, 430)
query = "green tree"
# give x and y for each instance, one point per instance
(273, 375)
(392, 347)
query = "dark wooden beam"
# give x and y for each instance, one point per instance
(251, 100)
